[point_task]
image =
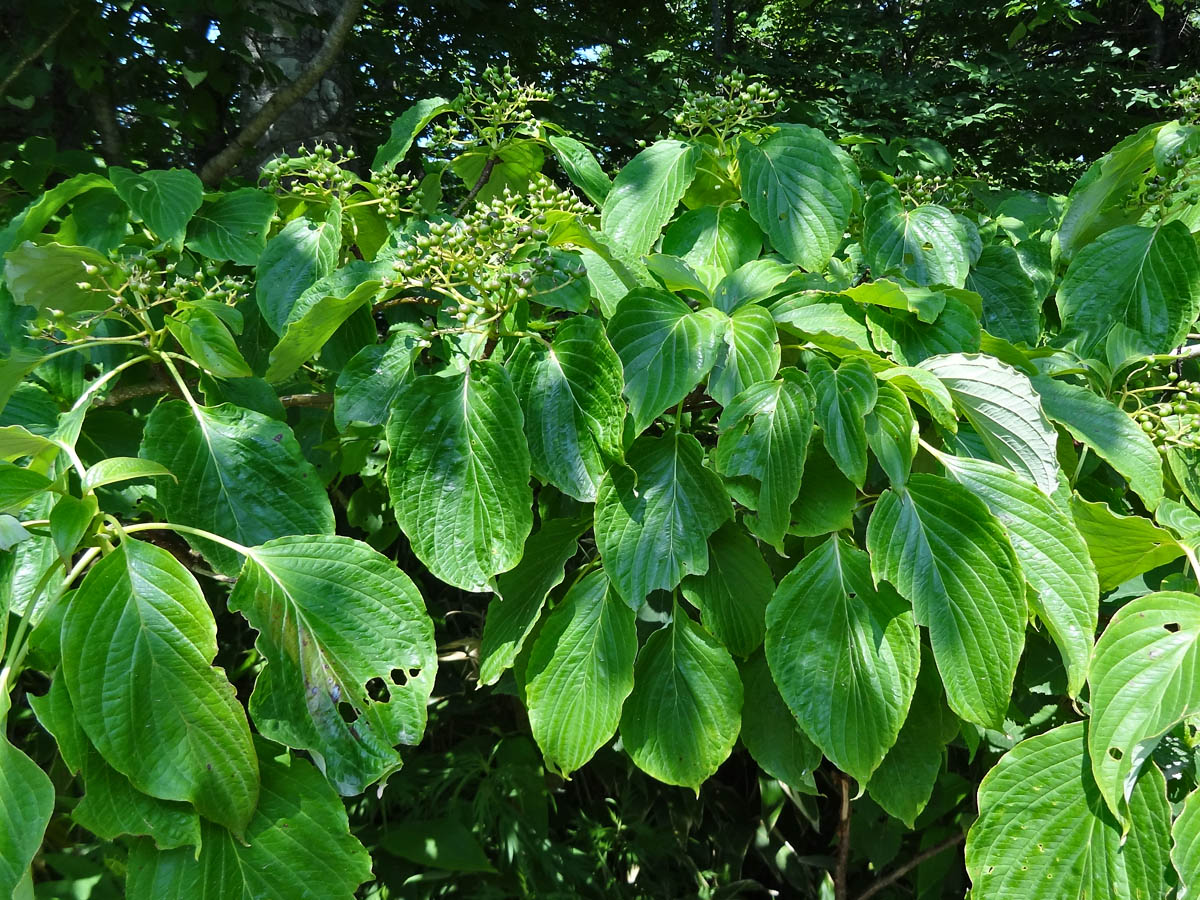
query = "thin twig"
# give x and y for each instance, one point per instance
(477, 187)
(217, 167)
(38, 51)
(843, 856)
(898, 873)
(321, 401)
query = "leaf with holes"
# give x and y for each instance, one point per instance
(349, 650)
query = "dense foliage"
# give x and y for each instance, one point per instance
(851, 493)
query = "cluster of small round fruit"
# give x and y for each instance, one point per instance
(492, 109)
(1187, 97)
(320, 170)
(736, 105)
(487, 261)
(951, 191)
(1173, 419)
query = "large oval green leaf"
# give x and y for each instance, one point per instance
(927, 245)
(26, 804)
(234, 226)
(665, 350)
(570, 394)
(1121, 547)
(1006, 412)
(714, 241)
(771, 733)
(1053, 555)
(747, 354)
(645, 193)
(1185, 849)
(298, 846)
(944, 550)
(371, 381)
(1145, 679)
(1147, 279)
(580, 672)
(654, 516)
(292, 261)
(238, 474)
(1044, 833)
(764, 434)
(1012, 308)
(138, 641)
(844, 654)
(458, 473)
(164, 199)
(349, 649)
(682, 719)
(798, 192)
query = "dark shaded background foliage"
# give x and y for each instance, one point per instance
(1022, 87)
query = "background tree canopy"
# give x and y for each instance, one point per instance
(1035, 89)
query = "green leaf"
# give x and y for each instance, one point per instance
(892, 433)
(904, 781)
(234, 226)
(910, 341)
(516, 162)
(844, 397)
(208, 342)
(164, 199)
(55, 277)
(828, 321)
(1052, 553)
(240, 474)
(18, 486)
(665, 350)
(713, 241)
(26, 804)
(17, 441)
(349, 650)
(925, 304)
(1043, 832)
(69, 522)
(581, 167)
(292, 261)
(798, 193)
(748, 353)
(682, 719)
(570, 394)
(298, 846)
(138, 641)
(844, 654)
(1096, 202)
(946, 553)
(405, 130)
(1005, 411)
(1185, 466)
(1113, 435)
(115, 469)
(1143, 683)
(1185, 849)
(654, 516)
(827, 498)
(458, 473)
(371, 381)
(1147, 279)
(927, 245)
(521, 593)
(1121, 547)
(770, 731)
(764, 434)
(732, 595)
(580, 672)
(645, 193)
(751, 283)
(1012, 306)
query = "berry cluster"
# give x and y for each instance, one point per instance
(1187, 97)
(951, 191)
(492, 110)
(737, 105)
(317, 173)
(482, 265)
(1169, 413)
